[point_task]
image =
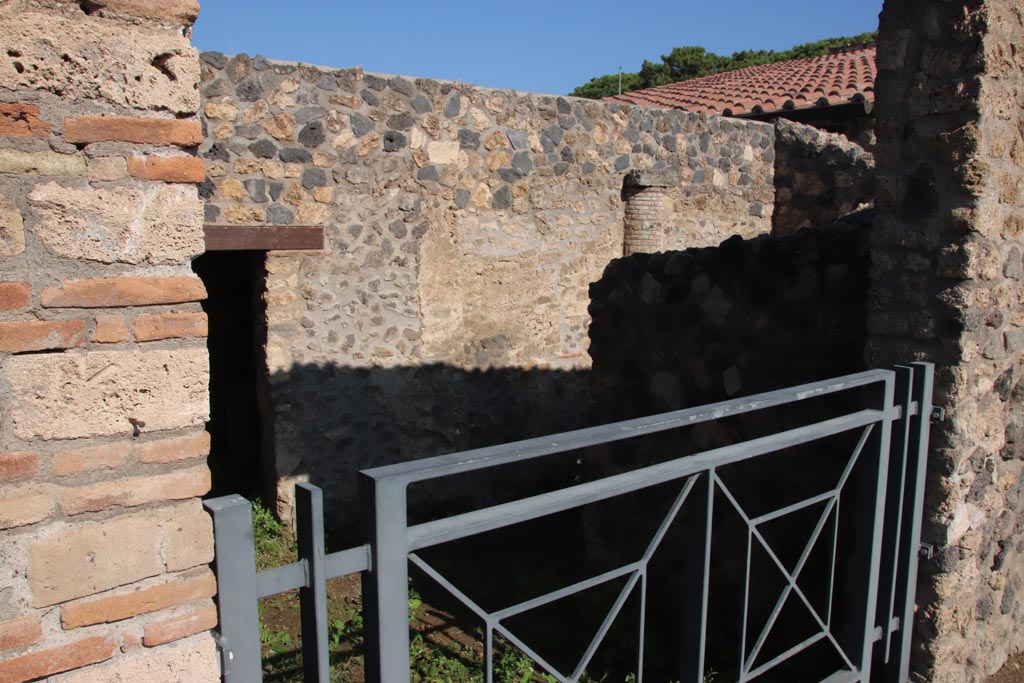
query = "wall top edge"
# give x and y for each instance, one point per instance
(204, 54)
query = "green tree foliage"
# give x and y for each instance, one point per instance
(679, 65)
(684, 63)
(602, 86)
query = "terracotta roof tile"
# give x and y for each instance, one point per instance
(845, 76)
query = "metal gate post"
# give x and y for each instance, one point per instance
(382, 508)
(869, 533)
(900, 460)
(309, 524)
(896, 669)
(697, 551)
(237, 599)
(924, 384)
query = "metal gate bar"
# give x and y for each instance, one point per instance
(904, 514)
(899, 401)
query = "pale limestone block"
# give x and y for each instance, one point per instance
(41, 163)
(193, 659)
(74, 561)
(82, 57)
(156, 223)
(85, 394)
(443, 152)
(221, 111)
(89, 558)
(12, 228)
(256, 112)
(187, 538)
(108, 169)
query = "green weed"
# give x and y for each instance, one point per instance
(430, 662)
(274, 545)
(276, 642)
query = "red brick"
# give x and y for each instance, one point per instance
(180, 627)
(21, 632)
(15, 295)
(66, 463)
(170, 450)
(18, 465)
(125, 606)
(178, 169)
(40, 335)
(23, 120)
(136, 491)
(64, 658)
(110, 329)
(143, 131)
(169, 326)
(123, 291)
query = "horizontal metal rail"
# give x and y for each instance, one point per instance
(498, 516)
(391, 543)
(292, 576)
(492, 456)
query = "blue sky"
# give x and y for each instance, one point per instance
(533, 45)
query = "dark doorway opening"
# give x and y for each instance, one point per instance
(235, 282)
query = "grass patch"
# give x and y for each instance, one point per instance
(439, 651)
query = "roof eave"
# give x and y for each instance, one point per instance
(855, 108)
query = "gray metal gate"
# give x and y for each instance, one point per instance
(891, 426)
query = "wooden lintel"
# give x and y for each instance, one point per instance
(263, 238)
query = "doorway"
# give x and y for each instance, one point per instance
(235, 282)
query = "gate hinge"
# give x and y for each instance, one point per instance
(927, 551)
(876, 635)
(226, 655)
(894, 625)
(938, 414)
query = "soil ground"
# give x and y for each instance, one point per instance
(1012, 671)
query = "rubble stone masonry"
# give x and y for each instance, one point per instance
(946, 287)
(819, 177)
(103, 366)
(682, 329)
(463, 226)
(449, 305)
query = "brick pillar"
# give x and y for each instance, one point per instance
(104, 544)
(946, 283)
(646, 210)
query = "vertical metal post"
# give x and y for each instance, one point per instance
(897, 668)
(697, 573)
(871, 494)
(309, 524)
(643, 628)
(924, 384)
(899, 458)
(237, 601)
(382, 505)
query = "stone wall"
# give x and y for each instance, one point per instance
(463, 226)
(946, 284)
(819, 177)
(103, 367)
(682, 329)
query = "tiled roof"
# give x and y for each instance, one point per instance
(847, 76)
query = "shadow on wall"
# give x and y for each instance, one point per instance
(680, 329)
(669, 331)
(356, 418)
(331, 421)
